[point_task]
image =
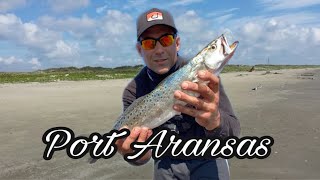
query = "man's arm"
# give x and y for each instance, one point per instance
(129, 94)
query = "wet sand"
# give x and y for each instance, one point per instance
(285, 106)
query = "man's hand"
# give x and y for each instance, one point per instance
(137, 134)
(206, 105)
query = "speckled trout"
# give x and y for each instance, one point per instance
(156, 108)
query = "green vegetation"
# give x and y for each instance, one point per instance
(70, 74)
(100, 73)
(265, 67)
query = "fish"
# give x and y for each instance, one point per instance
(155, 108)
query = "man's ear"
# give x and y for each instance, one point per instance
(178, 43)
(138, 47)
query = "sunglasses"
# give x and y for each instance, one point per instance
(150, 43)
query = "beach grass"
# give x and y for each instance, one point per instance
(100, 73)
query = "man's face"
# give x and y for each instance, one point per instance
(160, 59)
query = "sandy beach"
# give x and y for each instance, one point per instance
(285, 105)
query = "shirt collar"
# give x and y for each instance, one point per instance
(157, 78)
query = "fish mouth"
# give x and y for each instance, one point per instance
(234, 45)
(228, 49)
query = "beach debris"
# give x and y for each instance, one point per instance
(311, 78)
(155, 108)
(105, 76)
(267, 72)
(252, 69)
(257, 87)
(277, 73)
(306, 76)
(242, 74)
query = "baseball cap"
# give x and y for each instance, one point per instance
(153, 17)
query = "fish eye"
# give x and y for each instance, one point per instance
(213, 47)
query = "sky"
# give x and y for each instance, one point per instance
(41, 34)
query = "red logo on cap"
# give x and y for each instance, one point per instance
(154, 16)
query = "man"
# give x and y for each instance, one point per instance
(209, 115)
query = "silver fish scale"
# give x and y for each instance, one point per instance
(157, 104)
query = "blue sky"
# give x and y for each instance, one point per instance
(40, 34)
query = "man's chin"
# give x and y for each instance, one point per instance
(162, 71)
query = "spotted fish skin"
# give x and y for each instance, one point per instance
(155, 108)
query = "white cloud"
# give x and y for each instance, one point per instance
(105, 59)
(101, 9)
(316, 35)
(221, 12)
(67, 5)
(137, 4)
(116, 22)
(252, 30)
(35, 63)
(112, 37)
(13, 63)
(63, 50)
(108, 38)
(10, 60)
(284, 42)
(12, 28)
(300, 18)
(223, 18)
(184, 2)
(80, 27)
(38, 40)
(285, 39)
(7, 5)
(287, 4)
(190, 22)
(115, 28)
(195, 32)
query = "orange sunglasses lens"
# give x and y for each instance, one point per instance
(166, 40)
(148, 44)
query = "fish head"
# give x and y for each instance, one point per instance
(217, 54)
